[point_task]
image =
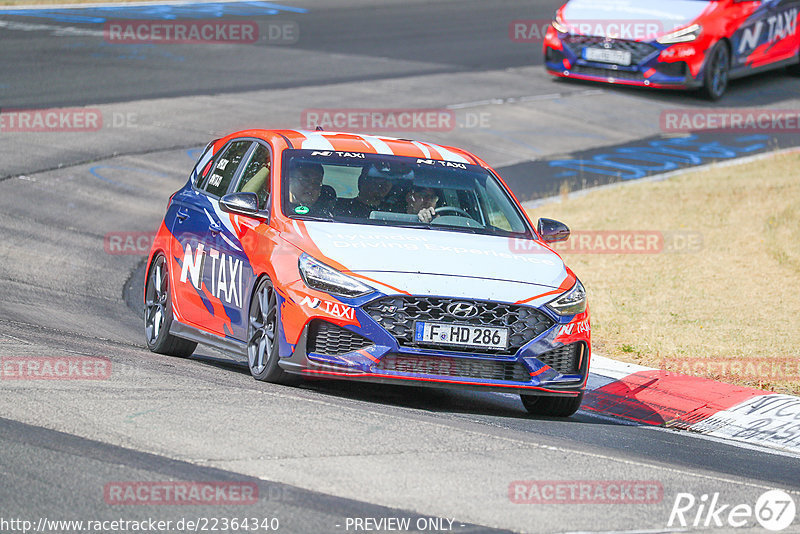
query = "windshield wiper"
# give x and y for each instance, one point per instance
(464, 229)
(313, 218)
(427, 226)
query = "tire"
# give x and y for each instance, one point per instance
(716, 76)
(262, 336)
(158, 313)
(795, 69)
(551, 406)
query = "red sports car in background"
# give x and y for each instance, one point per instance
(677, 44)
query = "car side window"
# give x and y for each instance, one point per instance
(225, 168)
(256, 175)
(204, 164)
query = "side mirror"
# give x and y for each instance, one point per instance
(552, 231)
(243, 203)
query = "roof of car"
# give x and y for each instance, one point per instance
(370, 144)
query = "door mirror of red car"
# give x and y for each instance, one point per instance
(242, 203)
(552, 231)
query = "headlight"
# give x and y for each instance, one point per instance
(319, 276)
(571, 302)
(685, 35)
(559, 25)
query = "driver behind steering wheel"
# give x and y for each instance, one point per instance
(422, 202)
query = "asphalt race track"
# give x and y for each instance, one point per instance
(324, 454)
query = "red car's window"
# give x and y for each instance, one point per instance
(225, 167)
(256, 175)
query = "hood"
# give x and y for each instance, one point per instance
(378, 249)
(631, 19)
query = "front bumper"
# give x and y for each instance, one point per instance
(539, 366)
(563, 57)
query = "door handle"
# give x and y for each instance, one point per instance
(182, 214)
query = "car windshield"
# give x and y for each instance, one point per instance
(354, 187)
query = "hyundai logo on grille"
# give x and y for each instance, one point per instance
(464, 310)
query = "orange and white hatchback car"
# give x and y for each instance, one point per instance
(367, 258)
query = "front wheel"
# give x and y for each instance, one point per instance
(551, 406)
(716, 77)
(158, 313)
(795, 69)
(262, 335)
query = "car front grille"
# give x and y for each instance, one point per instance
(333, 340)
(566, 360)
(398, 315)
(609, 73)
(639, 51)
(454, 367)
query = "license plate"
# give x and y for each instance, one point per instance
(618, 57)
(461, 335)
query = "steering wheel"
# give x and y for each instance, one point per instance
(457, 211)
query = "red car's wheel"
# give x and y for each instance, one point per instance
(552, 406)
(716, 72)
(795, 69)
(158, 313)
(262, 335)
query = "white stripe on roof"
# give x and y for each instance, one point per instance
(315, 141)
(378, 144)
(448, 155)
(424, 149)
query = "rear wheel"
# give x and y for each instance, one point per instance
(551, 406)
(795, 69)
(158, 313)
(262, 335)
(716, 73)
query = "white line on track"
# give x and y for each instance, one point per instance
(732, 442)
(61, 31)
(528, 98)
(523, 443)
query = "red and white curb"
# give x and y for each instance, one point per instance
(662, 398)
